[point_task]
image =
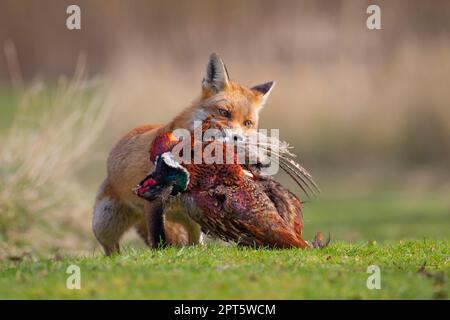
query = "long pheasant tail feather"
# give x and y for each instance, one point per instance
(300, 178)
(299, 174)
(302, 172)
(297, 180)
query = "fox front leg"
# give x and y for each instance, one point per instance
(154, 216)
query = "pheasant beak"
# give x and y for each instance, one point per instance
(148, 189)
(168, 178)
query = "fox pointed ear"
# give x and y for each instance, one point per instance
(265, 89)
(216, 76)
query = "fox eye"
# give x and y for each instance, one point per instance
(225, 113)
(248, 123)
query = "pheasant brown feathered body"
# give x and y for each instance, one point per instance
(249, 211)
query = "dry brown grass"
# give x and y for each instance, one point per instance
(42, 204)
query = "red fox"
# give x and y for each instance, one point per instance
(117, 208)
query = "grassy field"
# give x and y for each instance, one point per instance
(386, 216)
(398, 220)
(409, 270)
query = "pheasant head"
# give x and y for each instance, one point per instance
(168, 173)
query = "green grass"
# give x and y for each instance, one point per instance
(409, 270)
(7, 102)
(410, 225)
(380, 216)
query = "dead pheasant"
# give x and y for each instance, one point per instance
(229, 201)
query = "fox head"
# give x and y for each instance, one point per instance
(230, 105)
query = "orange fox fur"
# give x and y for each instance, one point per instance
(117, 208)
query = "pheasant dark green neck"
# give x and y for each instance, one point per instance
(172, 172)
(179, 179)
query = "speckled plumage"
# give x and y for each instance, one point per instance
(248, 211)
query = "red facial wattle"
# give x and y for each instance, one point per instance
(144, 186)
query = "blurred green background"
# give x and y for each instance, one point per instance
(368, 111)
